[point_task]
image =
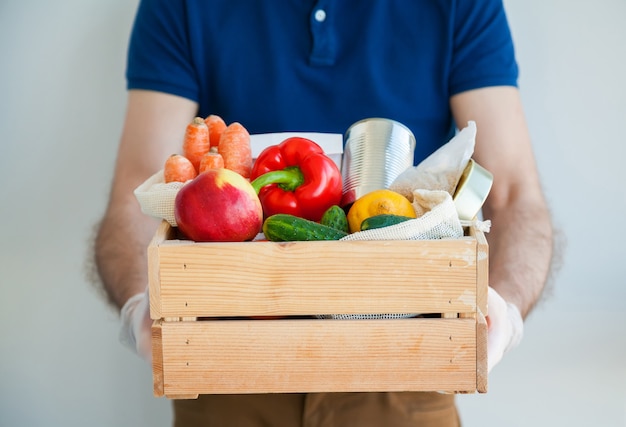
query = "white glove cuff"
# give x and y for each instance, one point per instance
(128, 335)
(517, 327)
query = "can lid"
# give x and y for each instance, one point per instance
(378, 121)
(472, 190)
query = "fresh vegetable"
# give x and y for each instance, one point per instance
(378, 202)
(211, 160)
(295, 177)
(216, 127)
(336, 218)
(219, 205)
(196, 141)
(288, 228)
(178, 168)
(234, 146)
(383, 220)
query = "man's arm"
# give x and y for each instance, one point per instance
(153, 129)
(521, 236)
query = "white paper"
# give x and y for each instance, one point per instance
(331, 143)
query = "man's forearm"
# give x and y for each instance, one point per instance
(520, 251)
(121, 252)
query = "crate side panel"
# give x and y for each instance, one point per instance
(164, 233)
(282, 356)
(267, 278)
(157, 358)
(482, 288)
(482, 369)
(482, 268)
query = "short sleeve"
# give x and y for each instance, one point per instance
(483, 52)
(159, 56)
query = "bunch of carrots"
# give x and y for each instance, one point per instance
(210, 144)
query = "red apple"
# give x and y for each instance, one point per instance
(219, 205)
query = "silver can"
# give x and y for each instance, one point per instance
(376, 151)
(472, 190)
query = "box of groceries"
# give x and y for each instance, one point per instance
(291, 265)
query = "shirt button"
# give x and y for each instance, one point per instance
(320, 15)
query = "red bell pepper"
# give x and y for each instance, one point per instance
(296, 177)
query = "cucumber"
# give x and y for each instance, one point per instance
(336, 218)
(382, 220)
(290, 228)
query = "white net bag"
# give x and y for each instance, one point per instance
(437, 219)
(157, 199)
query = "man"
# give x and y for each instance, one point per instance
(321, 66)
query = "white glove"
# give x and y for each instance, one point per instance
(135, 332)
(505, 327)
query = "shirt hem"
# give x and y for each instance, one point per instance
(164, 87)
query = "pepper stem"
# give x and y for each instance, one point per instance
(288, 179)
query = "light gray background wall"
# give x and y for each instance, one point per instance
(61, 108)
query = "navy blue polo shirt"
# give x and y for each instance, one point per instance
(319, 66)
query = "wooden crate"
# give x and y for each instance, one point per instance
(202, 296)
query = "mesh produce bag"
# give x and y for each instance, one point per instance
(437, 219)
(157, 198)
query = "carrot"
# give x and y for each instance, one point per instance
(196, 141)
(235, 149)
(216, 126)
(211, 160)
(178, 168)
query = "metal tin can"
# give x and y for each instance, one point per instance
(472, 190)
(376, 151)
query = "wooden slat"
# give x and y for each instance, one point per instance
(157, 358)
(164, 233)
(481, 354)
(268, 356)
(482, 289)
(482, 268)
(296, 278)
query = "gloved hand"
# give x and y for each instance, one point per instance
(135, 332)
(505, 327)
